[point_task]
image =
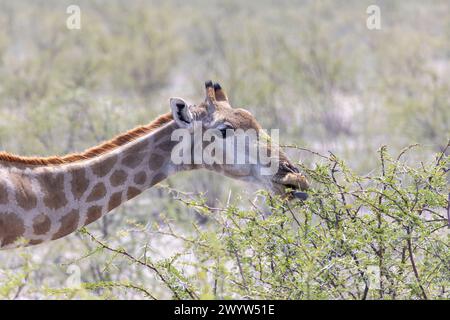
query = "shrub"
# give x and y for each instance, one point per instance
(381, 235)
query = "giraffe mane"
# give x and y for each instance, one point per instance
(93, 152)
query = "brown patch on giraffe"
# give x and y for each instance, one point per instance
(11, 228)
(69, 224)
(118, 178)
(166, 145)
(25, 196)
(98, 192)
(155, 162)
(93, 152)
(158, 178)
(79, 182)
(132, 192)
(41, 224)
(93, 213)
(3, 193)
(135, 154)
(35, 242)
(102, 168)
(115, 201)
(53, 187)
(140, 178)
(133, 160)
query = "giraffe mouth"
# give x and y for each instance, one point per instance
(293, 191)
(291, 185)
(290, 191)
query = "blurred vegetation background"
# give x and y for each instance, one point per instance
(310, 68)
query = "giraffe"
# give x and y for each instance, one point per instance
(44, 199)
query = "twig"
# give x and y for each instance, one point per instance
(304, 149)
(380, 251)
(293, 214)
(142, 263)
(448, 210)
(22, 285)
(241, 271)
(413, 263)
(119, 285)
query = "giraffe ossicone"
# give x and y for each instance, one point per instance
(44, 199)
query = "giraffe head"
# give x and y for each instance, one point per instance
(216, 115)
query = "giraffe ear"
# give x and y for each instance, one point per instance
(180, 112)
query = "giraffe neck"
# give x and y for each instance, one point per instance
(43, 203)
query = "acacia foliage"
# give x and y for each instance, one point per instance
(383, 235)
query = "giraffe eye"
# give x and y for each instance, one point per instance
(226, 131)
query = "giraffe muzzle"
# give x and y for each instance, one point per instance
(291, 181)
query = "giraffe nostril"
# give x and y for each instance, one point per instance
(286, 166)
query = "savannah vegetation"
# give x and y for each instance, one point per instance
(364, 113)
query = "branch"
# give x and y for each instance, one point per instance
(142, 263)
(413, 263)
(448, 210)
